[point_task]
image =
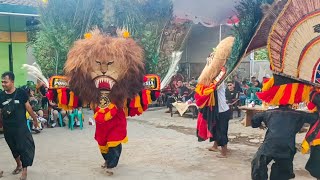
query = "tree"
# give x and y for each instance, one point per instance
(61, 23)
(261, 54)
(145, 20)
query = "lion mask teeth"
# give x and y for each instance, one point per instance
(104, 83)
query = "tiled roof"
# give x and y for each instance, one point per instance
(20, 2)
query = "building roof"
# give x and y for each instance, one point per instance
(20, 2)
(19, 7)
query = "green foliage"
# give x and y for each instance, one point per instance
(250, 14)
(261, 54)
(145, 20)
(61, 23)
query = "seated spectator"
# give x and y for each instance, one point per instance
(41, 89)
(183, 91)
(232, 97)
(237, 84)
(35, 104)
(190, 98)
(245, 86)
(165, 93)
(252, 92)
(257, 84)
(171, 96)
(252, 80)
(231, 93)
(243, 95)
(193, 82)
(55, 113)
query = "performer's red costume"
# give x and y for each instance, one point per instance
(108, 72)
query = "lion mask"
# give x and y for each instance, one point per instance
(102, 63)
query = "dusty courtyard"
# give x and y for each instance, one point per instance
(159, 147)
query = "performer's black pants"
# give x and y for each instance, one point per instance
(21, 144)
(281, 169)
(221, 129)
(313, 164)
(112, 157)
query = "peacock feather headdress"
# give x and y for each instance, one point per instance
(250, 14)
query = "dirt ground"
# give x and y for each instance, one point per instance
(159, 147)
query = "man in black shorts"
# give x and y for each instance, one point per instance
(14, 104)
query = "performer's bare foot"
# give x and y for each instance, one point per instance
(109, 172)
(17, 170)
(229, 151)
(221, 156)
(224, 151)
(104, 165)
(24, 174)
(19, 166)
(214, 149)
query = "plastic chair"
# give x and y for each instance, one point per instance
(80, 118)
(71, 120)
(28, 124)
(72, 116)
(252, 95)
(60, 119)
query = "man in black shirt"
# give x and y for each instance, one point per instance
(231, 93)
(232, 96)
(14, 104)
(283, 124)
(183, 91)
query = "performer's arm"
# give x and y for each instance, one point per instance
(257, 120)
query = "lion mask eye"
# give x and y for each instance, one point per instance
(98, 62)
(110, 62)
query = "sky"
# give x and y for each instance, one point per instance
(217, 11)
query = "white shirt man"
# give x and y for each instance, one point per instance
(222, 100)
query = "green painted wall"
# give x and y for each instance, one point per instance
(18, 24)
(19, 58)
(4, 57)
